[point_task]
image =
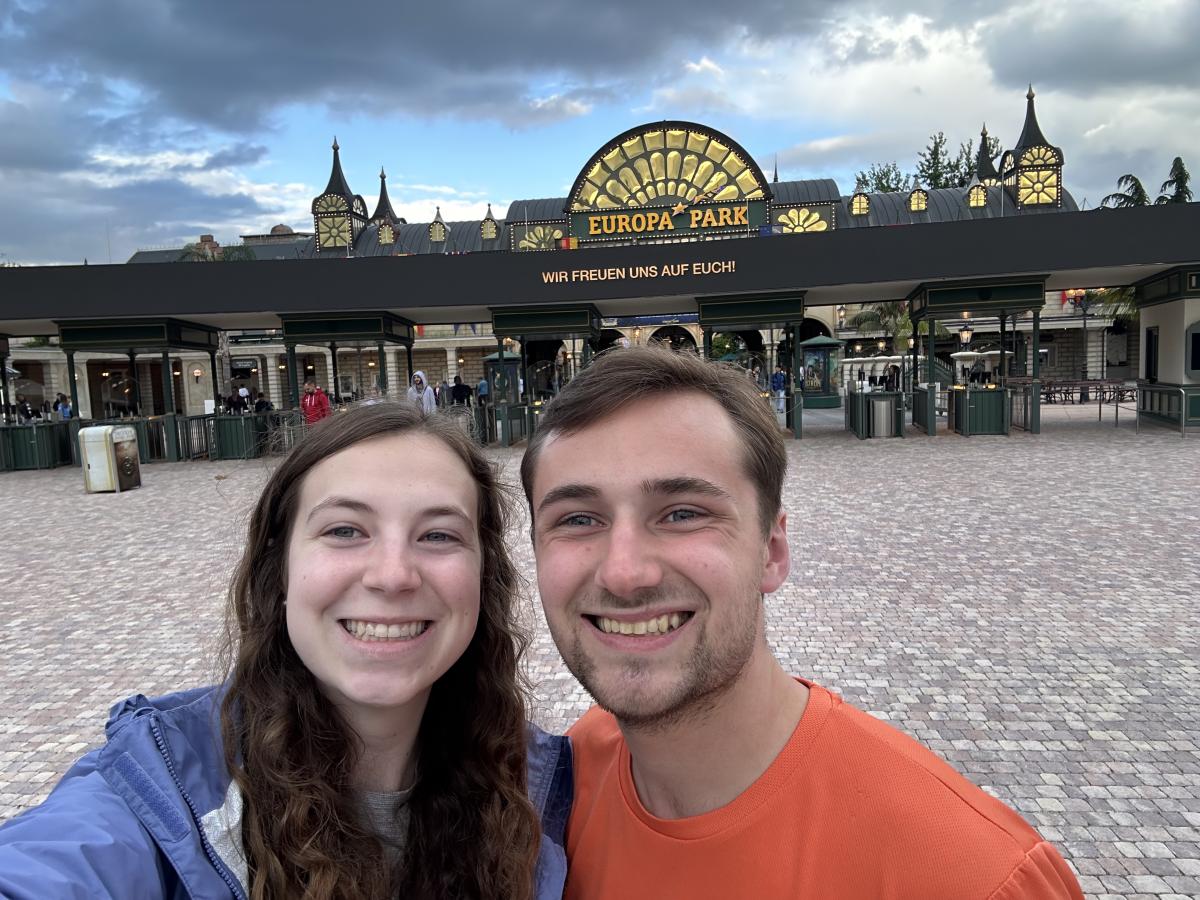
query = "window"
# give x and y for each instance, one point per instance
(488, 229)
(437, 233)
(1192, 350)
(977, 197)
(918, 200)
(860, 204)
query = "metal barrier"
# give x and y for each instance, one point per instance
(1020, 403)
(195, 436)
(1146, 391)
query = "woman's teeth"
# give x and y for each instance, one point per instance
(659, 625)
(377, 631)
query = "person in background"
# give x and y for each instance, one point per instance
(779, 389)
(262, 404)
(460, 394)
(25, 410)
(314, 404)
(482, 390)
(420, 393)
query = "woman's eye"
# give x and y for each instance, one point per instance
(438, 537)
(343, 532)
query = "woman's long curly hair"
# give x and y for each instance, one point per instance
(472, 831)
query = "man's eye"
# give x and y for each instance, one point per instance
(578, 520)
(682, 515)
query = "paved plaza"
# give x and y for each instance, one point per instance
(1025, 606)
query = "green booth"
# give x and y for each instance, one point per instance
(820, 373)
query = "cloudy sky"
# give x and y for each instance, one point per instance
(142, 123)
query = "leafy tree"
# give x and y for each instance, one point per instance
(1114, 303)
(964, 163)
(1130, 193)
(884, 178)
(1177, 184)
(935, 168)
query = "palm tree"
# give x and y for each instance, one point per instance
(1130, 193)
(201, 253)
(1177, 184)
(890, 317)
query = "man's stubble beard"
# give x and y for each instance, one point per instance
(708, 674)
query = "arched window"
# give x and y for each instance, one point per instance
(387, 234)
(489, 229)
(918, 200)
(977, 196)
(860, 204)
(437, 233)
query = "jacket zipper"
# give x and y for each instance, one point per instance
(213, 858)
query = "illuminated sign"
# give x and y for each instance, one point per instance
(667, 221)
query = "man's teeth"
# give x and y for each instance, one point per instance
(659, 625)
(377, 631)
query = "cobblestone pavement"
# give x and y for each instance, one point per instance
(1026, 606)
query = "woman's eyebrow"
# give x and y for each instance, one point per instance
(340, 502)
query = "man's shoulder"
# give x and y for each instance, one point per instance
(911, 786)
(596, 735)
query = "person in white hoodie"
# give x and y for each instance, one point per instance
(420, 393)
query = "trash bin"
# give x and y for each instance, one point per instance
(108, 455)
(883, 415)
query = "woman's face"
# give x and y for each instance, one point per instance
(383, 572)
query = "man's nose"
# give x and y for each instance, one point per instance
(630, 563)
(391, 568)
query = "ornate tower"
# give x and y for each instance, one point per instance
(339, 215)
(384, 216)
(985, 169)
(1032, 170)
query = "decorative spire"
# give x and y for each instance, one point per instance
(383, 209)
(1031, 134)
(985, 169)
(775, 180)
(337, 181)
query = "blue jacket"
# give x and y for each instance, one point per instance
(154, 813)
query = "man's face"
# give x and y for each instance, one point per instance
(417, 382)
(651, 558)
(310, 388)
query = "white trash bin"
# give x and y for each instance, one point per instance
(108, 455)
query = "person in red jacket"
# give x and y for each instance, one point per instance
(314, 403)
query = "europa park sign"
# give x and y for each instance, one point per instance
(666, 221)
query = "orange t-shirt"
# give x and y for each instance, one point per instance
(851, 808)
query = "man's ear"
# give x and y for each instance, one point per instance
(777, 562)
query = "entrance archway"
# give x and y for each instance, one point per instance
(674, 336)
(608, 339)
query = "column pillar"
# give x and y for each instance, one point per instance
(71, 381)
(451, 364)
(930, 380)
(395, 373)
(1002, 375)
(797, 396)
(216, 384)
(1035, 389)
(382, 363)
(271, 379)
(136, 389)
(706, 336)
(4, 395)
(334, 370)
(170, 435)
(408, 354)
(293, 377)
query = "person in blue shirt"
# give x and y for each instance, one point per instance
(482, 391)
(779, 388)
(370, 740)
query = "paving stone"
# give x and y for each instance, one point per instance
(1023, 605)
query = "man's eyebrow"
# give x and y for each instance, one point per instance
(569, 492)
(341, 502)
(683, 484)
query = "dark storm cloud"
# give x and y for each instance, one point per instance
(1104, 48)
(453, 57)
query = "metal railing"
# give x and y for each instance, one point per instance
(1020, 402)
(1145, 391)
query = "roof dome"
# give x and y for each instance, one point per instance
(282, 229)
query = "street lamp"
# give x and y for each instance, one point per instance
(637, 334)
(858, 348)
(841, 316)
(882, 343)
(965, 334)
